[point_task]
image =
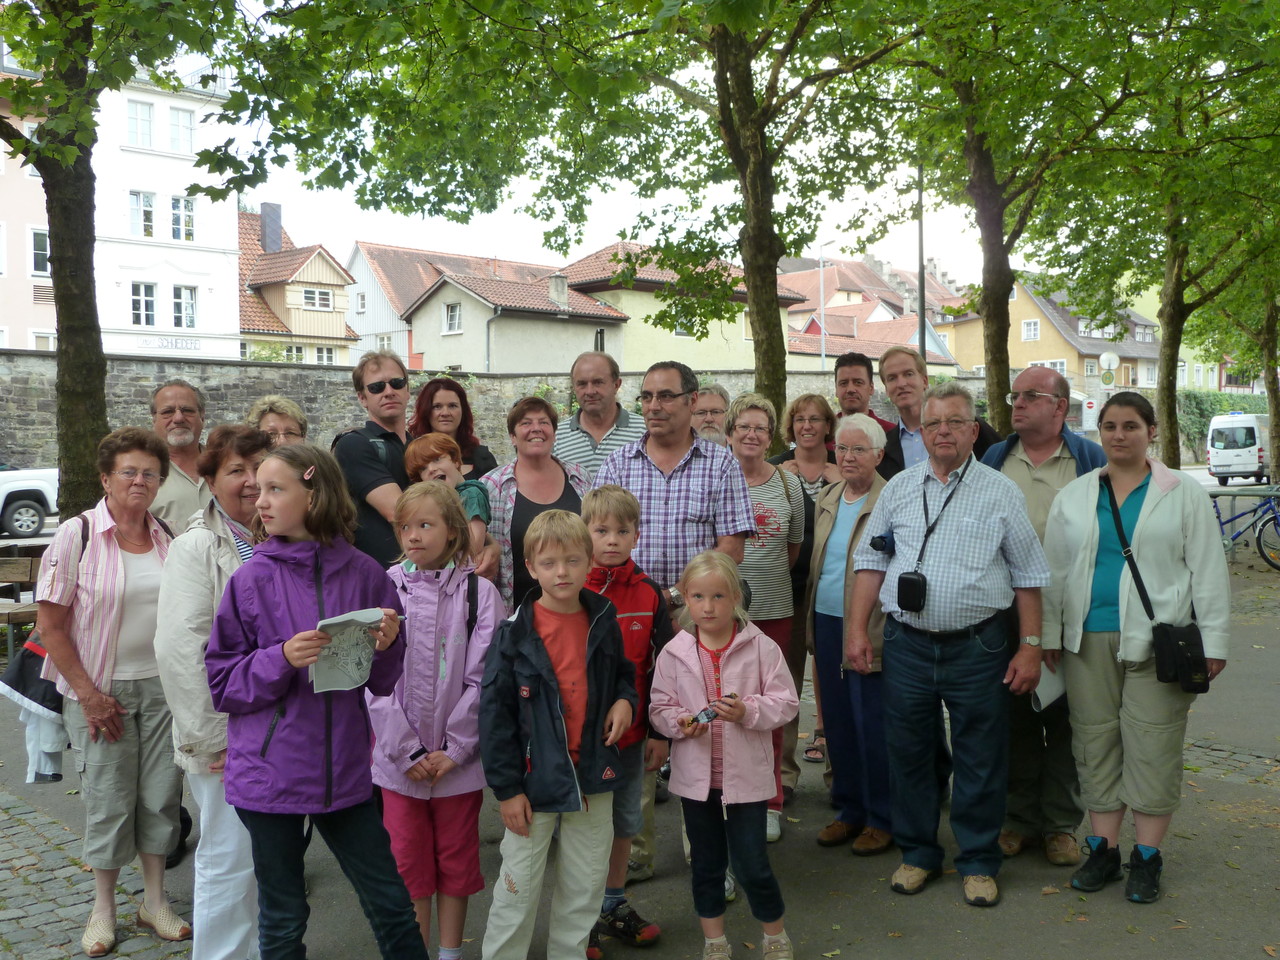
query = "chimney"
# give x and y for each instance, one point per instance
(873, 264)
(270, 228)
(558, 289)
(908, 302)
(931, 266)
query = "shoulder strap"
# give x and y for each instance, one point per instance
(1128, 552)
(472, 603)
(786, 484)
(84, 531)
(163, 526)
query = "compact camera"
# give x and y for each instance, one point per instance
(913, 588)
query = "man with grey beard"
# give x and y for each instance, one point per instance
(177, 415)
(709, 413)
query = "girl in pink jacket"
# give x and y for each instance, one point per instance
(426, 753)
(720, 688)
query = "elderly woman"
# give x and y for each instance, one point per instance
(852, 714)
(201, 562)
(1128, 727)
(279, 418)
(98, 591)
(778, 503)
(442, 407)
(809, 425)
(531, 483)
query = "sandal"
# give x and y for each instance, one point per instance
(816, 752)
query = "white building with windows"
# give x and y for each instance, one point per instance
(165, 261)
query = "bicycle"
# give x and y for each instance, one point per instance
(1264, 523)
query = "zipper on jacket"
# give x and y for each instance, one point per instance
(271, 730)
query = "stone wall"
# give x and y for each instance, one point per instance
(27, 397)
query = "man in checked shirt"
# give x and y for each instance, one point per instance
(963, 551)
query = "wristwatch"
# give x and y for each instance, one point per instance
(1031, 641)
(677, 601)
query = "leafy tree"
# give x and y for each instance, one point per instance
(436, 107)
(74, 50)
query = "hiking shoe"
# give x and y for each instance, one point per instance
(1062, 849)
(981, 890)
(911, 879)
(1143, 885)
(1102, 867)
(625, 924)
(778, 948)
(594, 950)
(717, 949)
(872, 841)
(1013, 843)
(637, 871)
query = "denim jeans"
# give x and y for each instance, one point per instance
(965, 674)
(360, 844)
(721, 833)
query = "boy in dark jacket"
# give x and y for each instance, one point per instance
(613, 517)
(558, 694)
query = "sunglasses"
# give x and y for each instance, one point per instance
(395, 383)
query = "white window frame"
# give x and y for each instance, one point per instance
(142, 213)
(1091, 368)
(1182, 374)
(1198, 376)
(36, 335)
(1057, 366)
(384, 341)
(362, 302)
(1149, 374)
(184, 307)
(182, 130)
(325, 356)
(245, 349)
(182, 219)
(140, 123)
(295, 353)
(450, 319)
(944, 337)
(32, 252)
(314, 298)
(980, 370)
(1030, 330)
(142, 303)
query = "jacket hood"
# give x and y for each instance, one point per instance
(451, 579)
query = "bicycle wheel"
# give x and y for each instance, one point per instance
(1268, 537)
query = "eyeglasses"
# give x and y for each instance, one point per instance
(953, 424)
(1031, 396)
(149, 477)
(747, 428)
(664, 397)
(801, 421)
(842, 451)
(168, 413)
(395, 383)
(284, 435)
(710, 414)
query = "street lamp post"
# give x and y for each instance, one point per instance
(822, 298)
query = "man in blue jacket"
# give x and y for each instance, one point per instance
(1042, 456)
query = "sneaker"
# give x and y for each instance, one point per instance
(625, 924)
(981, 890)
(594, 950)
(778, 948)
(1102, 867)
(637, 871)
(1143, 885)
(730, 888)
(1062, 849)
(911, 879)
(716, 949)
(773, 826)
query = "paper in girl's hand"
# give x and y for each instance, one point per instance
(345, 661)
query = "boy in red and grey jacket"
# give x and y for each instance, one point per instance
(612, 514)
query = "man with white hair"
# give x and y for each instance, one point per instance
(710, 411)
(177, 415)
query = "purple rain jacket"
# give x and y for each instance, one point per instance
(289, 749)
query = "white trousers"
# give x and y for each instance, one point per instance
(582, 864)
(46, 739)
(224, 919)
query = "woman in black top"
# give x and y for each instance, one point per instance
(442, 407)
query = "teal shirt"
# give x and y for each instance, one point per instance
(1104, 600)
(475, 500)
(829, 597)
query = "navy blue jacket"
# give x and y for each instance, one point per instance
(522, 735)
(1088, 455)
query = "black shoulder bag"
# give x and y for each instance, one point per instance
(1179, 651)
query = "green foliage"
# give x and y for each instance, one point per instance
(270, 351)
(1197, 407)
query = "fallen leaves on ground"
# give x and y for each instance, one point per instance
(1049, 891)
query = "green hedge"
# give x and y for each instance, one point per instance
(1197, 407)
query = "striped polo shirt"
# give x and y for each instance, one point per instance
(575, 445)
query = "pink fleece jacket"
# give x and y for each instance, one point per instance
(754, 669)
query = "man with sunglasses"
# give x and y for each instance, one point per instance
(372, 457)
(1042, 456)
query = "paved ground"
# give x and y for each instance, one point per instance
(1222, 873)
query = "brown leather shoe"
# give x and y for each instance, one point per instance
(836, 833)
(1062, 849)
(872, 841)
(910, 879)
(981, 891)
(1013, 843)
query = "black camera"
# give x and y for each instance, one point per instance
(883, 543)
(913, 588)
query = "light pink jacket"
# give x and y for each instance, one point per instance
(754, 669)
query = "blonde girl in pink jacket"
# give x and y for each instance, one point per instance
(720, 688)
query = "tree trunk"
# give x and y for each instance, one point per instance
(1270, 378)
(1172, 315)
(743, 128)
(997, 275)
(82, 368)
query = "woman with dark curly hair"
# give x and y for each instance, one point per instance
(442, 407)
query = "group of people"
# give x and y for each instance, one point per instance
(633, 592)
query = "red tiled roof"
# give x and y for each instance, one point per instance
(255, 315)
(807, 345)
(531, 297)
(843, 320)
(283, 266)
(405, 274)
(604, 265)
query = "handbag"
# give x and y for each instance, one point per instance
(1179, 651)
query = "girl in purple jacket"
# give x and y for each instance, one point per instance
(426, 753)
(293, 753)
(720, 687)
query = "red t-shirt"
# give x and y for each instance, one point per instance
(565, 637)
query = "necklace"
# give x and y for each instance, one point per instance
(136, 543)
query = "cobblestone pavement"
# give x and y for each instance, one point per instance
(46, 893)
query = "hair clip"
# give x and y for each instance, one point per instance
(310, 471)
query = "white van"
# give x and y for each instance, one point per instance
(1239, 447)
